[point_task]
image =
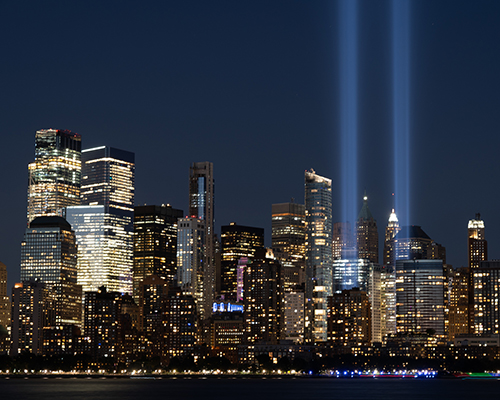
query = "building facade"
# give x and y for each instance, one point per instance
(49, 255)
(31, 305)
(262, 298)
(421, 297)
(202, 206)
(108, 177)
(4, 298)
(191, 261)
(288, 230)
(349, 319)
(486, 291)
(318, 202)
(367, 234)
(55, 175)
(155, 243)
(236, 241)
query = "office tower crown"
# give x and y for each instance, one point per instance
(55, 175)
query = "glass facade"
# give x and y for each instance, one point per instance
(49, 255)
(201, 206)
(237, 241)
(318, 202)
(288, 231)
(108, 178)
(191, 259)
(155, 243)
(421, 297)
(349, 274)
(486, 292)
(105, 248)
(55, 175)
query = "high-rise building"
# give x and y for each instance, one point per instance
(201, 206)
(318, 202)
(155, 243)
(412, 243)
(262, 298)
(48, 254)
(191, 261)
(288, 231)
(367, 234)
(421, 297)
(31, 312)
(108, 178)
(152, 293)
(236, 241)
(391, 230)
(477, 244)
(486, 291)
(349, 318)
(104, 222)
(343, 241)
(349, 274)
(104, 248)
(54, 176)
(477, 252)
(459, 303)
(181, 327)
(4, 298)
(293, 314)
(102, 310)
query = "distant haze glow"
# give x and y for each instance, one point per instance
(401, 107)
(349, 109)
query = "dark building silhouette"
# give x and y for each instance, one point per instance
(367, 234)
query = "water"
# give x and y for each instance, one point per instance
(243, 389)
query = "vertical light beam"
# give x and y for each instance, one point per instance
(401, 107)
(349, 109)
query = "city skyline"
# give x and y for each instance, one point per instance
(260, 127)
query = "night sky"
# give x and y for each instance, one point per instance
(253, 86)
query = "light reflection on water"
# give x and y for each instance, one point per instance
(243, 389)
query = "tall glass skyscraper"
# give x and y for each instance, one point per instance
(201, 206)
(318, 201)
(191, 260)
(104, 223)
(48, 254)
(155, 243)
(54, 176)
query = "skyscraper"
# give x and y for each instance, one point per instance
(318, 202)
(104, 222)
(288, 232)
(108, 178)
(459, 303)
(54, 176)
(155, 243)
(4, 299)
(30, 314)
(48, 254)
(477, 251)
(421, 297)
(486, 291)
(191, 261)
(477, 244)
(201, 206)
(236, 241)
(367, 234)
(343, 241)
(263, 298)
(391, 230)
